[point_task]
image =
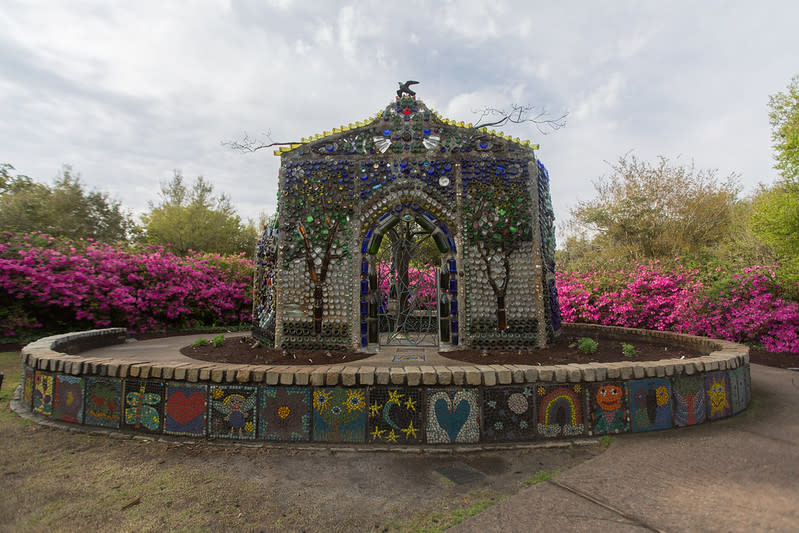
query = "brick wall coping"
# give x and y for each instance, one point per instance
(62, 353)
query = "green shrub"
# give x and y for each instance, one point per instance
(218, 340)
(587, 345)
(628, 350)
(200, 342)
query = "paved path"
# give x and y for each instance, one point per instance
(738, 474)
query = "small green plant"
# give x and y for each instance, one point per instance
(587, 345)
(539, 477)
(628, 350)
(218, 340)
(604, 441)
(200, 342)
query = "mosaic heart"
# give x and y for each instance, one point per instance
(452, 417)
(184, 408)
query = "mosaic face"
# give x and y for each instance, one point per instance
(609, 397)
(232, 412)
(718, 395)
(608, 411)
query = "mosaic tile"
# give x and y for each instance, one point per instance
(43, 393)
(395, 415)
(453, 416)
(608, 408)
(27, 387)
(339, 415)
(650, 404)
(717, 389)
(103, 402)
(68, 403)
(144, 405)
(560, 412)
(688, 398)
(233, 412)
(285, 413)
(184, 412)
(740, 389)
(509, 414)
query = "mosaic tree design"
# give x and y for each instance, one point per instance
(344, 187)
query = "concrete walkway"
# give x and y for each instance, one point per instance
(738, 474)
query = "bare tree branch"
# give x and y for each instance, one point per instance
(249, 144)
(520, 114)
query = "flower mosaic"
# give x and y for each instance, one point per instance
(689, 400)
(27, 386)
(509, 414)
(144, 405)
(650, 404)
(103, 402)
(339, 414)
(185, 408)
(395, 415)
(608, 408)
(453, 416)
(68, 403)
(560, 411)
(232, 412)
(285, 414)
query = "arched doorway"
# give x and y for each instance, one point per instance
(406, 298)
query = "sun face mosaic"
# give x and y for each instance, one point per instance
(509, 414)
(717, 390)
(395, 415)
(339, 414)
(341, 192)
(285, 413)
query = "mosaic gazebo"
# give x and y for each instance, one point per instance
(367, 211)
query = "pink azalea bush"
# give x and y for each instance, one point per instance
(741, 307)
(422, 283)
(51, 285)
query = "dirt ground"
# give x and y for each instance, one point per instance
(244, 350)
(52, 479)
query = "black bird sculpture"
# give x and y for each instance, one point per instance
(405, 88)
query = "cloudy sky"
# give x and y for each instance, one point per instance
(125, 92)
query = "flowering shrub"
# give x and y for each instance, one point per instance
(422, 283)
(60, 284)
(742, 307)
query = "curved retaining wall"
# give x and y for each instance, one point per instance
(411, 405)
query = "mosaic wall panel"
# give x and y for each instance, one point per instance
(717, 389)
(509, 414)
(608, 408)
(103, 402)
(650, 404)
(740, 388)
(184, 412)
(144, 405)
(560, 412)
(68, 403)
(688, 397)
(27, 386)
(233, 412)
(339, 415)
(43, 393)
(453, 416)
(395, 415)
(285, 413)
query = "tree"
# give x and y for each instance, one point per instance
(64, 209)
(648, 211)
(784, 119)
(192, 218)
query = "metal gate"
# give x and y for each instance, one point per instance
(408, 287)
